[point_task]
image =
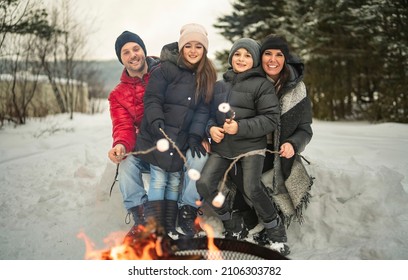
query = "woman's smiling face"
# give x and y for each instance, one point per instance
(273, 61)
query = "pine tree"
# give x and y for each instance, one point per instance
(355, 51)
(249, 18)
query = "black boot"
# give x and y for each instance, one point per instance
(138, 214)
(250, 218)
(274, 237)
(186, 221)
(274, 232)
(170, 216)
(277, 233)
(140, 221)
(154, 213)
(234, 227)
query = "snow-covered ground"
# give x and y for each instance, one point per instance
(55, 180)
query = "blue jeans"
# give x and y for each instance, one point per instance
(189, 194)
(163, 185)
(130, 181)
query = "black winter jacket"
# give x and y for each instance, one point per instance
(170, 96)
(256, 107)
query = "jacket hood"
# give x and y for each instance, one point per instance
(233, 77)
(170, 53)
(152, 62)
(296, 68)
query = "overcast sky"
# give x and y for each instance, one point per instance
(157, 22)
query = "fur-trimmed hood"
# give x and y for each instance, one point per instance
(170, 53)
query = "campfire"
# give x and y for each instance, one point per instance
(147, 244)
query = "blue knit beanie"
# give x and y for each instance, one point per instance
(127, 37)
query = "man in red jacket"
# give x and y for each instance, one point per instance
(126, 110)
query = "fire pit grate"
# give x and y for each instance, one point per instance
(229, 249)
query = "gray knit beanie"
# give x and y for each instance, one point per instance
(252, 46)
(127, 37)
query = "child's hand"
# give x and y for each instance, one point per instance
(206, 145)
(230, 126)
(217, 134)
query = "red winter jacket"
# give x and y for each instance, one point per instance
(126, 106)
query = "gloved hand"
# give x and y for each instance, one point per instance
(155, 128)
(194, 143)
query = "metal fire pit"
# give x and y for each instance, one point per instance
(230, 249)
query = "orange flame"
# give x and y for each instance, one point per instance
(142, 244)
(127, 248)
(213, 252)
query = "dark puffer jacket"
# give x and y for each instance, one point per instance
(256, 107)
(171, 97)
(126, 106)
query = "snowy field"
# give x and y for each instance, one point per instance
(55, 179)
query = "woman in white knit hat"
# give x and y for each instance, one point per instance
(177, 102)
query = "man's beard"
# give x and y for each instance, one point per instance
(140, 68)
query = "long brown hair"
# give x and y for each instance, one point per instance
(283, 78)
(206, 76)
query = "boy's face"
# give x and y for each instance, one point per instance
(242, 60)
